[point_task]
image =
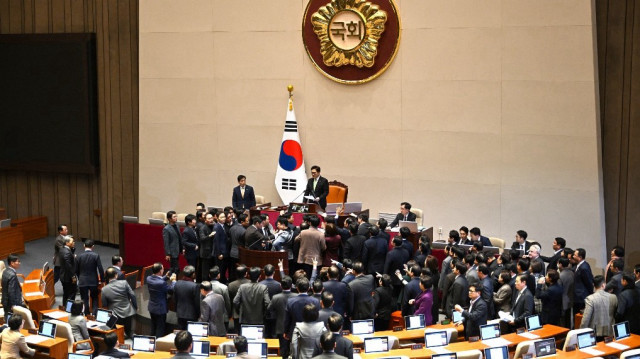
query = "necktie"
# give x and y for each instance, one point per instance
(405, 217)
(315, 181)
(242, 191)
(517, 298)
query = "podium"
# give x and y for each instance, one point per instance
(252, 258)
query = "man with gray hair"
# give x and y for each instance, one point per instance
(534, 255)
(211, 307)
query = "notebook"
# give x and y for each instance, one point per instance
(252, 332)
(414, 321)
(198, 329)
(144, 343)
(586, 339)
(376, 344)
(545, 347)
(497, 353)
(257, 348)
(621, 330)
(532, 322)
(360, 327)
(435, 339)
(200, 348)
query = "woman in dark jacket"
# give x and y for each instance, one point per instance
(385, 305)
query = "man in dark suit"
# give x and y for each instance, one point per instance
(354, 245)
(236, 239)
(205, 238)
(326, 301)
(243, 195)
(317, 187)
(187, 297)
(116, 263)
(477, 313)
(68, 270)
(476, 236)
(220, 249)
(252, 299)
(253, 237)
(277, 308)
(190, 240)
(171, 237)
(404, 215)
(396, 258)
(558, 246)
(405, 234)
(521, 243)
(342, 347)
(211, 307)
(11, 289)
(551, 297)
(241, 278)
(522, 306)
(484, 275)
(583, 280)
(110, 341)
(459, 289)
(293, 311)
(374, 252)
(63, 231)
(90, 273)
(362, 286)
(118, 297)
(328, 347)
(411, 290)
(273, 288)
(342, 295)
(158, 286)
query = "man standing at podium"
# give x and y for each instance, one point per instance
(317, 187)
(243, 195)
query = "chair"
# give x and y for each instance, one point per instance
(132, 278)
(29, 323)
(166, 343)
(146, 271)
(338, 192)
(260, 200)
(418, 213)
(629, 353)
(225, 347)
(572, 337)
(470, 354)
(523, 348)
(497, 242)
(64, 331)
(159, 215)
(181, 216)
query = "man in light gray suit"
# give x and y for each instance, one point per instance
(252, 299)
(211, 307)
(172, 245)
(599, 310)
(223, 290)
(118, 297)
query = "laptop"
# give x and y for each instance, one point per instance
(257, 348)
(67, 308)
(376, 344)
(79, 356)
(414, 321)
(621, 330)
(586, 339)
(435, 339)
(362, 327)
(413, 226)
(47, 329)
(489, 331)
(545, 347)
(156, 221)
(144, 343)
(5, 223)
(445, 356)
(130, 219)
(200, 348)
(497, 353)
(105, 320)
(532, 322)
(198, 329)
(252, 332)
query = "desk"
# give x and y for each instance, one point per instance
(56, 347)
(297, 216)
(632, 342)
(119, 329)
(141, 245)
(32, 228)
(39, 303)
(11, 241)
(412, 334)
(166, 355)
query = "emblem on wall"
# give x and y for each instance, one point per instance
(351, 41)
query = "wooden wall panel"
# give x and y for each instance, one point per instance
(91, 205)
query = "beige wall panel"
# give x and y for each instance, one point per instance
(250, 16)
(420, 14)
(548, 53)
(178, 102)
(176, 55)
(543, 108)
(451, 54)
(177, 16)
(558, 162)
(546, 12)
(388, 190)
(453, 106)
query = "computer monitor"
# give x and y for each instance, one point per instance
(532, 322)
(47, 329)
(79, 356)
(257, 348)
(435, 339)
(144, 343)
(413, 226)
(67, 308)
(359, 327)
(252, 332)
(496, 353)
(445, 356)
(376, 344)
(414, 321)
(200, 348)
(545, 347)
(586, 339)
(198, 329)
(111, 323)
(489, 331)
(103, 316)
(621, 330)
(457, 316)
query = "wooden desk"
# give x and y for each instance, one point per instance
(57, 347)
(272, 344)
(119, 329)
(632, 342)
(166, 355)
(32, 228)
(261, 258)
(413, 334)
(38, 303)
(141, 245)
(11, 241)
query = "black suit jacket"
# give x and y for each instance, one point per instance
(89, 267)
(115, 353)
(459, 294)
(67, 265)
(485, 241)
(516, 246)
(11, 290)
(322, 190)
(187, 297)
(362, 287)
(344, 347)
(400, 217)
(396, 258)
(342, 295)
(206, 242)
(246, 202)
(253, 238)
(583, 282)
(189, 243)
(551, 298)
(293, 312)
(553, 260)
(353, 247)
(474, 318)
(521, 307)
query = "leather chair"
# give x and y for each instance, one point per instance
(166, 343)
(64, 331)
(419, 215)
(181, 216)
(470, 354)
(630, 353)
(572, 337)
(497, 242)
(260, 200)
(523, 348)
(338, 192)
(29, 323)
(159, 215)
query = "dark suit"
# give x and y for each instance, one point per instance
(220, 249)
(246, 202)
(115, 353)
(364, 306)
(522, 307)
(629, 309)
(293, 311)
(459, 294)
(474, 318)
(343, 349)
(342, 296)
(273, 288)
(374, 254)
(253, 238)
(395, 260)
(551, 298)
(582, 285)
(67, 273)
(516, 246)
(411, 291)
(411, 217)
(407, 246)
(187, 296)
(189, 243)
(321, 191)
(206, 249)
(11, 290)
(553, 260)
(485, 241)
(158, 288)
(171, 237)
(89, 267)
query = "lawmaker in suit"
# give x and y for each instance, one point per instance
(63, 231)
(254, 238)
(252, 299)
(600, 309)
(522, 302)
(11, 289)
(118, 297)
(187, 296)
(68, 270)
(89, 271)
(551, 297)
(583, 279)
(243, 196)
(171, 237)
(277, 307)
(317, 187)
(477, 313)
(183, 343)
(305, 334)
(476, 236)
(362, 286)
(343, 347)
(329, 346)
(459, 289)
(558, 246)
(13, 342)
(521, 243)
(404, 215)
(190, 240)
(312, 244)
(110, 341)
(293, 310)
(242, 347)
(210, 308)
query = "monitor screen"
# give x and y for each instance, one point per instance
(435, 339)
(47, 329)
(79, 356)
(533, 322)
(200, 348)
(67, 308)
(457, 316)
(497, 353)
(376, 344)
(586, 339)
(103, 316)
(445, 356)
(414, 321)
(198, 329)
(489, 331)
(111, 323)
(143, 343)
(621, 330)
(545, 347)
(257, 348)
(362, 327)
(252, 332)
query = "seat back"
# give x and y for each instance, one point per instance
(497, 242)
(338, 192)
(260, 200)
(181, 216)
(159, 215)
(63, 330)
(523, 348)
(470, 354)
(419, 215)
(572, 337)
(226, 347)
(629, 353)
(26, 316)
(146, 271)
(132, 278)
(166, 343)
